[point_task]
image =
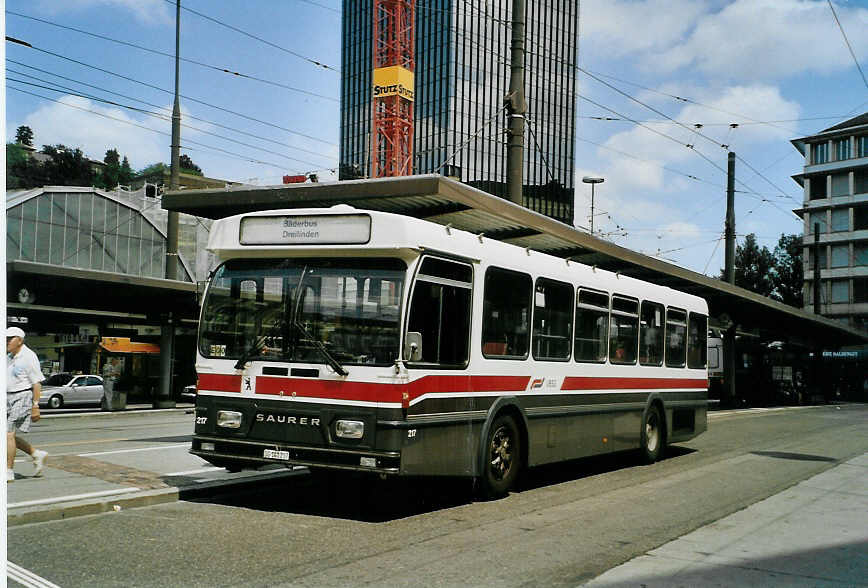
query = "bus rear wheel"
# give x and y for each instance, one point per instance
(502, 457)
(653, 435)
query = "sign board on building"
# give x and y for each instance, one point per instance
(393, 80)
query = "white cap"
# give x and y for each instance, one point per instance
(14, 332)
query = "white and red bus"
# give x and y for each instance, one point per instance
(346, 339)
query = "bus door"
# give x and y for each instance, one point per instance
(441, 421)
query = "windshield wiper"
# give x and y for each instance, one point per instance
(334, 363)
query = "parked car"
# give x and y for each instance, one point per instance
(84, 389)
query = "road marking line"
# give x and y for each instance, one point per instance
(199, 471)
(133, 450)
(72, 497)
(26, 577)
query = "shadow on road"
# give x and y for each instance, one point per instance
(367, 498)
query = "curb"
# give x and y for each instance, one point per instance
(109, 413)
(134, 499)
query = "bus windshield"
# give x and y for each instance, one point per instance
(336, 311)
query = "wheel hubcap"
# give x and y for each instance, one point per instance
(652, 436)
(501, 453)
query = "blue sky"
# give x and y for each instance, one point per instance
(779, 69)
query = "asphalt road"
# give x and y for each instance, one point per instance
(566, 525)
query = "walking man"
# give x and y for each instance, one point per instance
(23, 387)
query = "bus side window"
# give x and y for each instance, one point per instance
(651, 334)
(440, 311)
(552, 320)
(506, 313)
(697, 343)
(676, 331)
(592, 326)
(624, 330)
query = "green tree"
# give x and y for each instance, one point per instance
(24, 136)
(67, 166)
(126, 174)
(22, 171)
(753, 267)
(109, 176)
(789, 274)
(186, 164)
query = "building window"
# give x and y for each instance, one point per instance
(840, 291)
(840, 255)
(842, 149)
(860, 254)
(860, 290)
(860, 181)
(860, 218)
(862, 146)
(840, 220)
(817, 218)
(840, 184)
(823, 263)
(817, 188)
(820, 152)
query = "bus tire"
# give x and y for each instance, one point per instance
(653, 435)
(502, 457)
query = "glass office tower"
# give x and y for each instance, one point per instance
(462, 77)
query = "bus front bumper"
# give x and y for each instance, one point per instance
(220, 450)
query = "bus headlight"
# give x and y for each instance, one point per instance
(350, 429)
(229, 419)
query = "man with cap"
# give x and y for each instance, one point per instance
(23, 386)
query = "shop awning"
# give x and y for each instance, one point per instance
(125, 345)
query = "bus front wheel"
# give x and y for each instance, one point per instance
(653, 435)
(502, 457)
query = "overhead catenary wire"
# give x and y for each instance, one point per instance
(847, 41)
(260, 39)
(185, 147)
(152, 86)
(161, 117)
(163, 108)
(172, 56)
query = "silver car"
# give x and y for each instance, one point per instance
(85, 389)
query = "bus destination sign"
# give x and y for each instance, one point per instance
(330, 229)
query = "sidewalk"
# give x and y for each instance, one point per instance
(75, 485)
(813, 534)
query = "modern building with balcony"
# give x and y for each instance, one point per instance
(835, 182)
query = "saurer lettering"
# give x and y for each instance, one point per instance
(286, 419)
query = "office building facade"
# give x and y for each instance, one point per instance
(835, 181)
(461, 79)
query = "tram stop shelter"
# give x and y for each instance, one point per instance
(451, 203)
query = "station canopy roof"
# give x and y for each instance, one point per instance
(449, 202)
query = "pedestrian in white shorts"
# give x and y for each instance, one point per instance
(23, 387)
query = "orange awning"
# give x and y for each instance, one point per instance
(124, 345)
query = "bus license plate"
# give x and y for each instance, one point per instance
(274, 454)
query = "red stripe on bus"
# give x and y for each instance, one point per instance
(219, 383)
(374, 392)
(590, 383)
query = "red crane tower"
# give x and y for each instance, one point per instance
(394, 63)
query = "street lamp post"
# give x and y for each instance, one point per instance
(592, 180)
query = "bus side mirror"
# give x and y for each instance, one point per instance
(413, 346)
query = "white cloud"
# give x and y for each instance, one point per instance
(69, 123)
(745, 40)
(625, 26)
(154, 12)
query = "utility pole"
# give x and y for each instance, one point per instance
(516, 107)
(167, 326)
(592, 180)
(729, 352)
(729, 227)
